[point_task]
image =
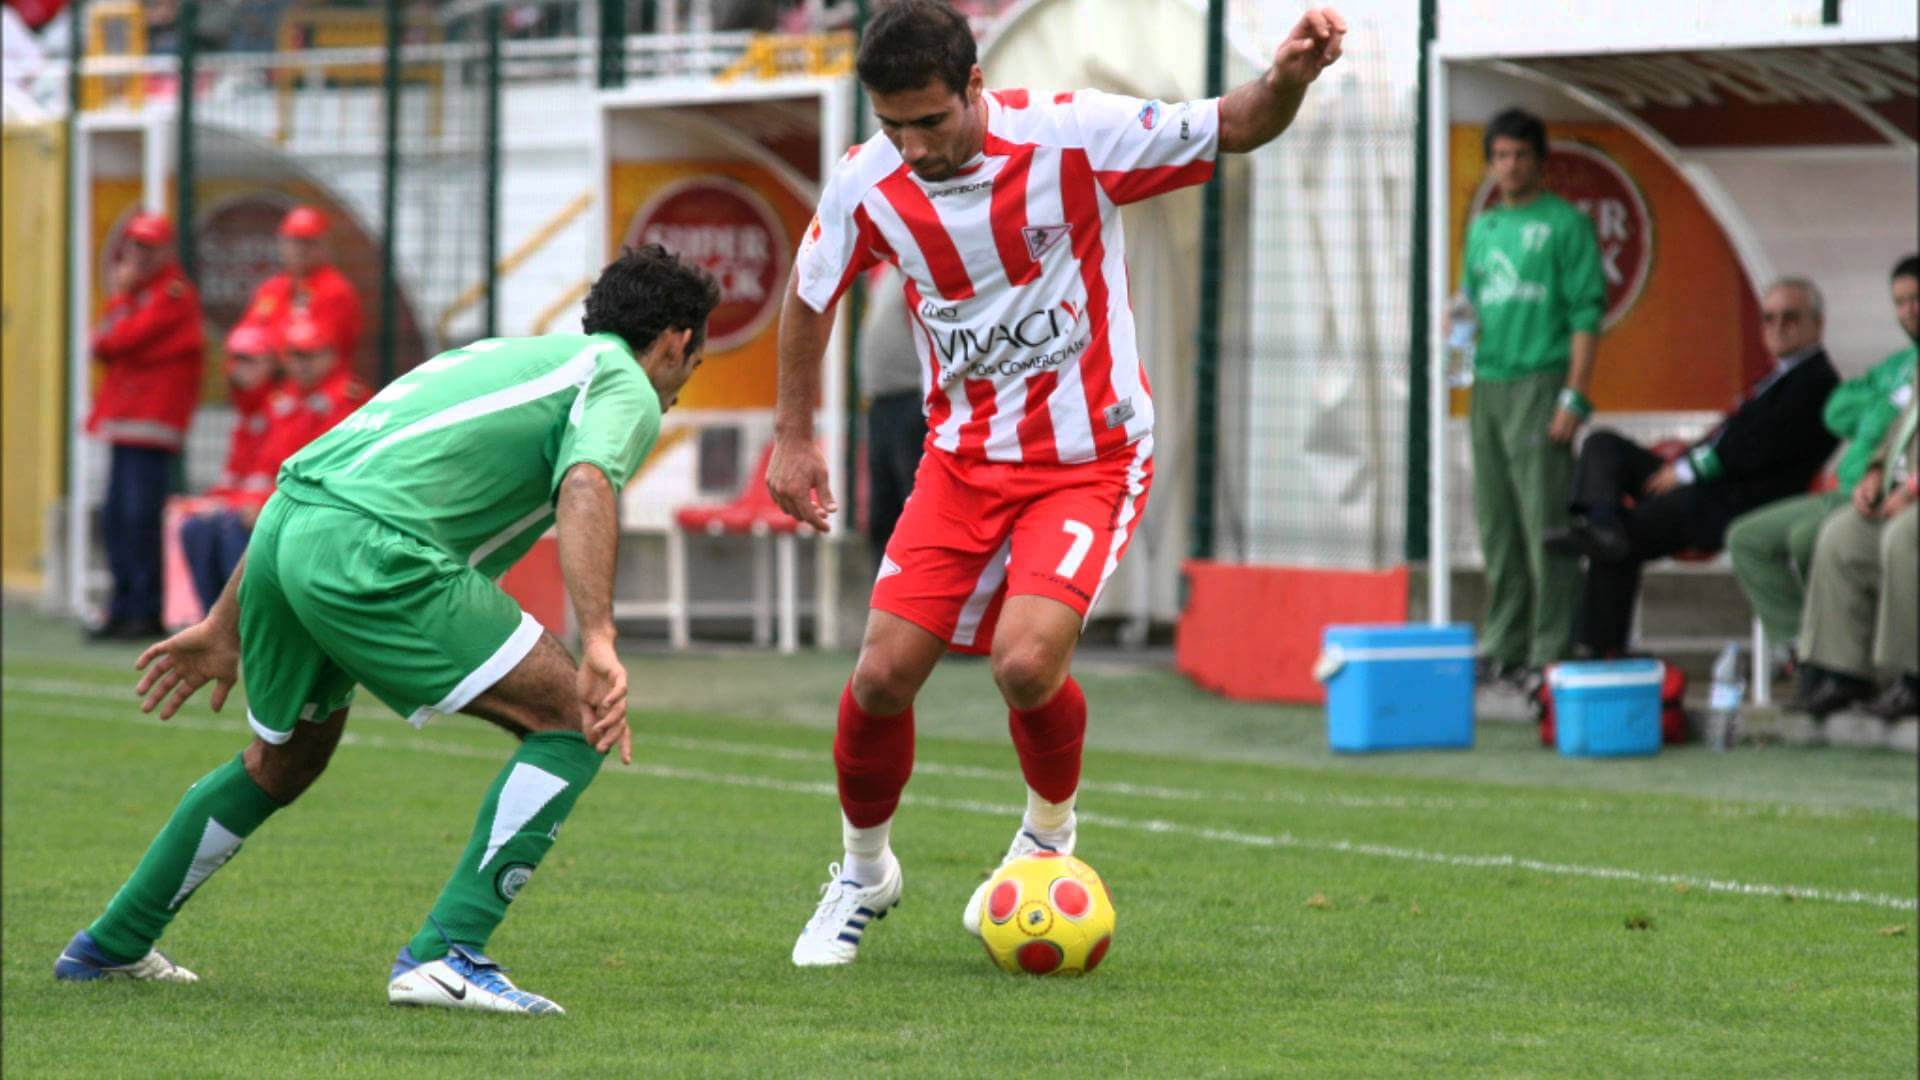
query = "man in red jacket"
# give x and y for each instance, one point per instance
(214, 540)
(323, 388)
(149, 340)
(309, 286)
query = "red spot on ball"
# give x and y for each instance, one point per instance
(1038, 957)
(1098, 952)
(1070, 898)
(1001, 902)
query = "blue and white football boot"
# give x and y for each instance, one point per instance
(82, 961)
(462, 979)
(846, 909)
(1024, 843)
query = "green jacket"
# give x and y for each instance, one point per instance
(1533, 274)
(1862, 409)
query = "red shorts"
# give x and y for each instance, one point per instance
(975, 532)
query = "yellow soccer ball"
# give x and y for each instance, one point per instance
(1047, 914)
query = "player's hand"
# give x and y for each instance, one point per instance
(1565, 424)
(1897, 500)
(602, 686)
(1866, 494)
(797, 480)
(1311, 48)
(206, 652)
(1663, 481)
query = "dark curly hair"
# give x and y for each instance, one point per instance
(913, 41)
(647, 291)
(1907, 267)
(1516, 124)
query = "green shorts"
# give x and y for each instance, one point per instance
(331, 598)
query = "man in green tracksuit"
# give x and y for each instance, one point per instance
(1772, 547)
(1532, 273)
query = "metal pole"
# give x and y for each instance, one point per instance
(857, 297)
(1207, 362)
(1439, 554)
(70, 298)
(184, 165)
(490, 245)
(613, 43)
(1419, 340)
(390, 195)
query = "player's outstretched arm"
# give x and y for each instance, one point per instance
(206, 652)
(589, 537)
(797, 473)
(1253, 115)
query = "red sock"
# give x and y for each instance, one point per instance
(1048, 740)
(872, 758)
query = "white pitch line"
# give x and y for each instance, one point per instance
(1151, 825)
(1623, 807)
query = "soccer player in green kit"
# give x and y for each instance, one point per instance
(1532, 272)
(374, 564)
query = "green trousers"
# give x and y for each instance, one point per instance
(1521, 484)
(1772, 549)
(1861, 596)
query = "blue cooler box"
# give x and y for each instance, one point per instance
(1398, 687)
(1607, 708)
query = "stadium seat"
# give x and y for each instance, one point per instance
(752, 514)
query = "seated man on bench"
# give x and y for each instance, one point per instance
(1631, 506)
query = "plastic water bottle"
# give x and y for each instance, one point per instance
(1729, 690)
(1463, 328)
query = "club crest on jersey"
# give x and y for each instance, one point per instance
(1042, 239)
(1150, 115)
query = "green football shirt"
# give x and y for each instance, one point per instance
(1534, 277)
(467, 451)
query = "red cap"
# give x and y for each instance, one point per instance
(304, 222)
(152, 230)
(251, 339)
(305, 335)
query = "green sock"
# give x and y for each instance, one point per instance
(220, 810)
(518, 821)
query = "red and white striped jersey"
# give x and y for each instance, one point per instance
(1015, 268)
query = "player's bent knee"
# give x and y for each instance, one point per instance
(287, 770)
(1028, 675)
(883, 684)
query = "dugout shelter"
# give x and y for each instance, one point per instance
(1713, 159)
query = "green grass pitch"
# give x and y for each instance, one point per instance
(1281, 911)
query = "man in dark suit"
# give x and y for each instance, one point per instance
(1630, 505)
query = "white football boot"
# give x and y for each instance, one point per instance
(1024, 843)
(846, 909)
(462, 979)
(83, 961)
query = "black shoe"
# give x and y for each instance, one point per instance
(1900, 701)
(111, 630)
(1489, 672)
(127, 630)
(1601, 543)
(1833, 693)
(148, 630)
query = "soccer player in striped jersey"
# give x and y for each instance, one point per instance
(1002, 210)
(374, 564)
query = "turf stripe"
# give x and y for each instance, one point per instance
(1630, 807)
(1156, 826)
